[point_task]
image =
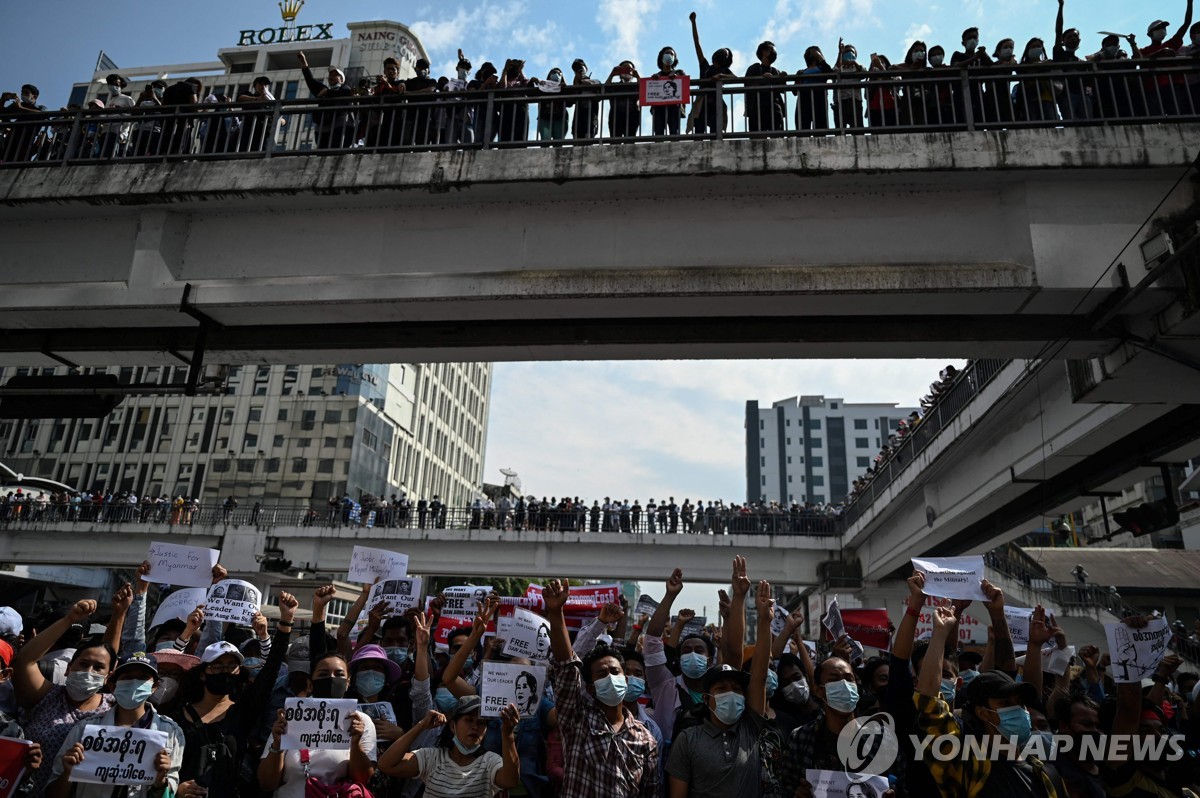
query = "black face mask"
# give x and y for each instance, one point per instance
(330, 687)
(220, 683)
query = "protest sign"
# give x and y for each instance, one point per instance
(550, 86)
(779, 621)
(665, 91)
(869, 627)
(526, 634)
(368, 564)
(463, 601)
(317, 723)
(232, 601)
(381, 710)
(400, 594)
(1056, 660)
(447, 624)
(587, 599)
(645, 606)
(1136, 653)
(952, 577)
(1018, 624)
(187, 566)
(832, 621)
(119, 755)
(838, 784)
(179, 605)
(505, 684)
(694, 626)
(12, 764)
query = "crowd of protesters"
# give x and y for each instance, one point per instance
(1034, 84)
(635, 707)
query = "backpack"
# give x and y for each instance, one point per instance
(688, 713)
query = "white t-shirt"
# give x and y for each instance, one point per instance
(328, 766)
(445, 778)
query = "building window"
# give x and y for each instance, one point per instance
(330, 442)
(371, 441)
(816, 443)
(309, 419)
(789, 478)
(762, 424)
(220, 466)
(861, 443)
(818, 462)
(250, 442)
(814, 423)
(764, 481)
(245, 465)
(325, 466)
(277, 441)
(818, 499)
(255, 414)
(864, 462)
(818, 481)
(227, 415)
(762, 462)
(789, 461)
(789, 441)
(273, 465)
(860, 423)
(333, 416)
(282, 416)
(833, 405)
(303, 443)
(762, 443)
(299, 465)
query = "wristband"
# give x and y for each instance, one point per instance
(912, 613)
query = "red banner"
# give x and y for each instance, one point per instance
(12, 765)
(869, 627)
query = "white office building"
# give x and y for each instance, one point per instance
(811, 448)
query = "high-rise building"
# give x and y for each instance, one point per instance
(286, 434)
(810, 449)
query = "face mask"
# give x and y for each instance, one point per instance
(330, 687)
(82, 685)
(27, 99)
(423, 73)
(114, 89)
(796, 692)
(668, 61)
(1014, 722)
(159, 93)
(849, 58)
(166, 645)
(463, 749)
(1005, 52)
(1070, 47)
(446, 702)
(397, 654)
(968, 676)
(1036, 54)
(919, 56)
(1112, 50)
(165, 692)
(132, 693)
(611, 690)
(1157, 35)
(693, 665)
(772, 684)
(556, 77)
(948, 689)
(220, 683)
(335, 82)
(1047, 744)
(253, 665)
(634, 688)
(369, 683)
(970, 44)
(841, 696)
(729, 707)
(937, 60)
(469, 665)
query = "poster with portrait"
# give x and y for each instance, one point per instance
(504, 684)
(400, 594)
(232, 601)
(665, 91)
(526, 634)
(838, 784)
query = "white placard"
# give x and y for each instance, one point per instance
(463, 600)
(952, 577)
(187, 566)
(232, 601)
(380, 710)
(368, 564)
(317, 723)
(119, 755)
(400, 594)
(527, 635)
(505, 684)
(179, 605)
(1056, 660)
(836, 784)
(1136, 653)
(1018, 624)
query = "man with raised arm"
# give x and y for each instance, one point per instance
(675, 697)
(607, 752)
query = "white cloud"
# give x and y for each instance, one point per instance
(824, 17)
(624, 21)
(917, 32)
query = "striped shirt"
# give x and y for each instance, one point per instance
(445, 778)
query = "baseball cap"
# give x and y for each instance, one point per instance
(298, 660)
(1156, 24)
(137, 658)
(220, 649)
(998, 684)
(724, 673)
(10, 622)
(466, 705)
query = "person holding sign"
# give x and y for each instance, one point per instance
(132, 682)
(30, 753)
(458, 767)
(666, 117)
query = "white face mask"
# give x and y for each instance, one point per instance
(936, 60)
(970, 44)
(82, 685)
(462, 74)
(114, 88)
(165, 692)
(1005, 52)
(1158, 34)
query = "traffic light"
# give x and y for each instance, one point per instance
(1149, 517)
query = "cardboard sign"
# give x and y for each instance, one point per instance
(179, 605)
(837, 784)
(463, 601)
(12, 764)
(1018, 624)
(952, 577)
(446, 625)
(380, 710)
(368, 564)
(665, 91)
(645, 606)
(317, 723)
(232, 601)
(870, 627)
(526, 635)
(1136, 653)
(590, 598)
(119, 755)
(400, 594)
(505, 684)
(187, 566)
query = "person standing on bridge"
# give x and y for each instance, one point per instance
(335, 129)
(1081, 577)
(706, 117)
(666, 117)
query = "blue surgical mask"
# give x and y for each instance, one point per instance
(369, 683)
(1014, 722)
(1047, 744)
(446, 702)
(132, 693)
(841, 696)
(253, 665)
(1004, 52)
(1036, 53)
(611, 690)
(968, 676)
(464, 749)
(693, 665)
(166, 645)
(397, 654)
(970, 44)
(729, 707)
(634, 688)
(949, 687)
(772, 684)
(849, 58)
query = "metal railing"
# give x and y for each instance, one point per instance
(727, 521)
(868, 102)
(969, 383)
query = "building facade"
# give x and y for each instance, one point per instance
(810, 448)
(278, 434)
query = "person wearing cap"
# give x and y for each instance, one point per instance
(218, 706)
(9, 727)
(418, 123)
(995, 707)
(20, 146)
(724, 756)
(115, 136)
(335, 128)
(132, 682)
(1166, 95)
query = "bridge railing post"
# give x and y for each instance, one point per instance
(488, 120)
(968, 101)
(272, 130)
(719, 105)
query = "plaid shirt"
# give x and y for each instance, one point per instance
(599, 762)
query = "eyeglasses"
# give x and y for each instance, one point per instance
(222, 669)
